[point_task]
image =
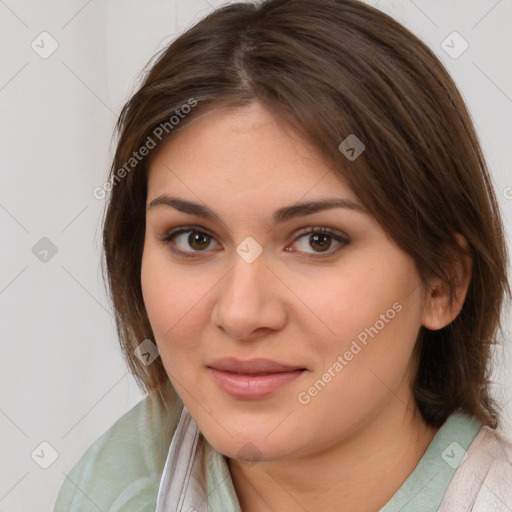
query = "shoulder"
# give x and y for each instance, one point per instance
(483, 481)
(124, 465)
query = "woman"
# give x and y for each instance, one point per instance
(307, 263)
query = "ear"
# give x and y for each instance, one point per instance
(438, 312)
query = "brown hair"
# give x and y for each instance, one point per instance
(332, 68)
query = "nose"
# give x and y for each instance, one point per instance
(249, 301)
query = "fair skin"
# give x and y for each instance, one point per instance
(362, 431)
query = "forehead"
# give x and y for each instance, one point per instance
(245, 151)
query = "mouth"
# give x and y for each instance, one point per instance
(252, 366)
(253, 379)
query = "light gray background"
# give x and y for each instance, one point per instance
(63, 379)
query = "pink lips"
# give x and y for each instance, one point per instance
(256, 378)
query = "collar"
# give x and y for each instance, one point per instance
(196, 477)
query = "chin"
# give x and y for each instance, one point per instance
(250, 447)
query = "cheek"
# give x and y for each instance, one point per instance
(370, 317)
(355, 301)
(171, 298)
(362, 368)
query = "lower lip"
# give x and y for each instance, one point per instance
(253, 386)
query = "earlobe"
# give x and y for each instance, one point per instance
(438, 312)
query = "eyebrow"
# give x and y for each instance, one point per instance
(279, 216)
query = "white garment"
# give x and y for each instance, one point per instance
(483, 480)
(183, 486)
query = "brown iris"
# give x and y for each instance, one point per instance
(202, 240)
(325, 242)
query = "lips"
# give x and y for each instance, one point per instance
(252, 366)
(253, 379)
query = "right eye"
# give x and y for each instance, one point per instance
(192, 237)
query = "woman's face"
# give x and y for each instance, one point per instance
(338, 313)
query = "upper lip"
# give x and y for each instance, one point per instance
(234, 365)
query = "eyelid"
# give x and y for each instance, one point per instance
(342, 239)
(321, 229)
(173, 233)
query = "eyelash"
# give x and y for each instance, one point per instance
(167, 239)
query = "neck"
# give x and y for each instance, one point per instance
(361, 472)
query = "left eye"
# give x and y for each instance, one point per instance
(320, 239)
